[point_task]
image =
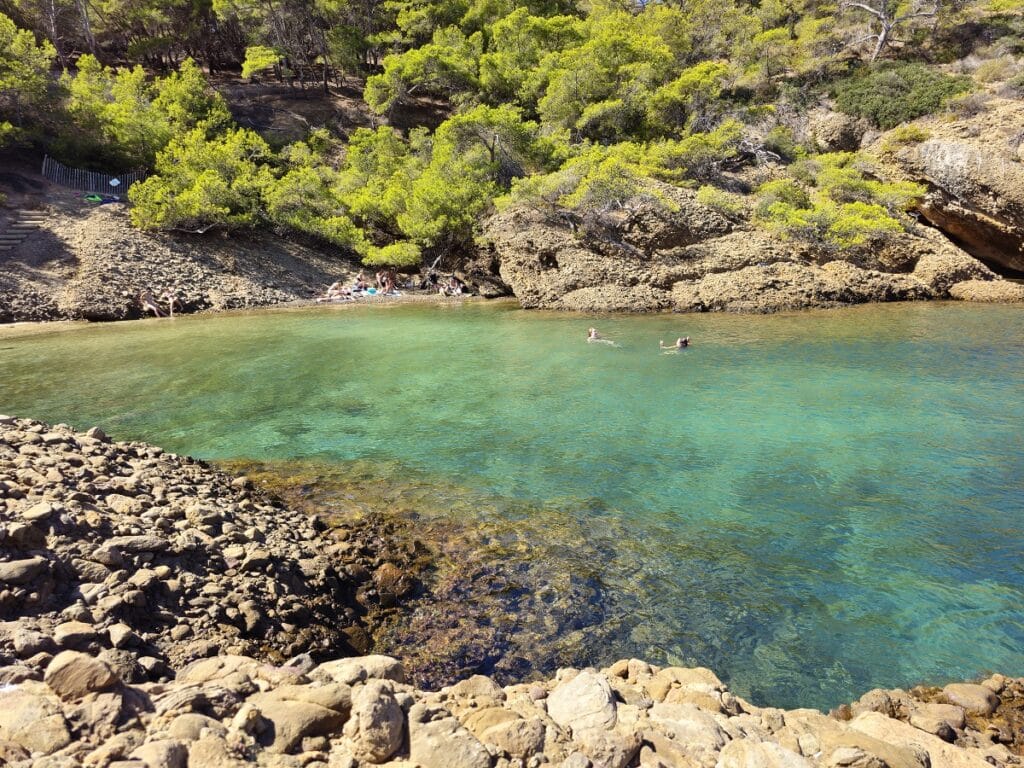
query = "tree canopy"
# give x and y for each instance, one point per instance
(574, 106)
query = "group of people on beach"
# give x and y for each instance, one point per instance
(593, 337)
(150, 303)
(386, 281)
(384, 285)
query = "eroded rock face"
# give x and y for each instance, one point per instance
(693, 260)
(976, 182)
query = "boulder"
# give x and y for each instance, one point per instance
(360, 668)
(23, 571)
(507, 731)
(377, 723)
(835, 131)
(443, 743)
(163, 753)
(292, 721)
(584, 703)
(942, 720)
(74, 634)
(33, 720)
(975, 699)
(698, 678)
(743, 753)
(698, 734)
(900, 734)
(993, 291)
(72, 675)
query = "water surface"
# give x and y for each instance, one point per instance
(811, 504)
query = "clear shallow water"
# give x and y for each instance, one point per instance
(811, 504)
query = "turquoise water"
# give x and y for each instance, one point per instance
(811, 504)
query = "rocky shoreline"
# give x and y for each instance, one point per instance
(158, 613)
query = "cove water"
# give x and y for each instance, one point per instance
(810, 504)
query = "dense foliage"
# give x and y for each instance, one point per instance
(893, 95)
(574, 107)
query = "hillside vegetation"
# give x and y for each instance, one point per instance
(574, 109)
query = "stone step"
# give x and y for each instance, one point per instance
(6, 247)
(24, 225)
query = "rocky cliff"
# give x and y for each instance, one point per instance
(974, 170)
(688, 257)
(691, 259)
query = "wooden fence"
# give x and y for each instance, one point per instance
(90, 181)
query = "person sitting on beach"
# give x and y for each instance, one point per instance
(680, 344)
(454, 288)
(360, 284)
(171, 298)
(148, 303)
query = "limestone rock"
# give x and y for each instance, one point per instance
(443, 743)
(747, 754)
(377, 723)
(22, 571)
(942, 269)
(32, 720)
(72, 675)
(584, 703)
(74, 634)
(975, 699)
(994, 291)
(292, 721)
(360, 668)
(163, 753)
(900, 734)
(507, 731)
(695, 732)
(976, 187)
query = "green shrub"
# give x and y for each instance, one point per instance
(1014, 87)
(783, 143)
(994, 70)
(839, 206)
(784, 191)
(897, 94)
(400, 254)
(728, 204)
(968, 105)
(903, 136)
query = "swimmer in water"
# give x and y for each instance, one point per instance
(593, 336)
(681, 343)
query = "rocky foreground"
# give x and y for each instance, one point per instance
(160, 614)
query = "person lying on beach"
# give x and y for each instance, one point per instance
(148, 303)
(336, 292)
(680, 343)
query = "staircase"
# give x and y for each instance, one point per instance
(23, 225)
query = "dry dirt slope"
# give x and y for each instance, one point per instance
(88, 262)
